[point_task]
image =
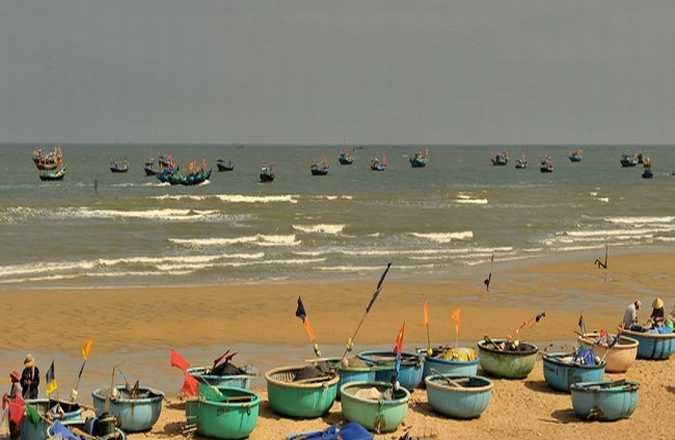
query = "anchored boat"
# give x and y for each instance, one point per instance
(647, 173)
(500, 159)
(607, 401)
(119, 166)
(546, 165)
(457, 395)
(68, 413)
(374, 406)
(319, 168)
(136, 410)
(628, 160)
(462, 360)
(419, 159)
(207, 377)
(266, 174)
(379, 165)
(224, 165)
(345, 158)
(576, 155)
(510, 364)
(521, 163)
(54, 174)
(48, 161)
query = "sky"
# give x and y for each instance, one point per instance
(324, 71)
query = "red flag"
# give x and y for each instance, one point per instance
(398, 345)
(179, 361)
(190, 386)
(17, 408)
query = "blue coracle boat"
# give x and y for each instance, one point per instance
(242, 381)
(561, 373)
(606, 401)
(134, 414)
(410, 374)
(466, 398)
(436, 365)
(653, 345)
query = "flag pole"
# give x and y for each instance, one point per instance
(378, 289)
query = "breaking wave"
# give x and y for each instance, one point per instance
(258, 239)
(320, 229)
(444, 237)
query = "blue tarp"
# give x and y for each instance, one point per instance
(351, 431)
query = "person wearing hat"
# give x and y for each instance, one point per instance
(658, 316)
(14, 393)
(630, 316)
(30, 378)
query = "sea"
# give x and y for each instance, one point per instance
(98, 229)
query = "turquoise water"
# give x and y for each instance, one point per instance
(429, 222)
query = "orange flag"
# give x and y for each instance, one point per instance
(457, 318)
(426, 314)
(398, 345)
(309, 330)
(86, 349)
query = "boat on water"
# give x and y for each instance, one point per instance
(521, 163)
(48, 160)
(149, 168)
(500, 159)
(377, 164)
(119, 166)
(420, 158)
(319, 168)
(266, 174)
(628, 160)
(345, 158)
(54, 174)
(196, 174)
(647, 172)
(224, 165)
(546, 165)
(576, 155)
(640, 158)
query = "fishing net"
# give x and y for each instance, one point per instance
(463, 354)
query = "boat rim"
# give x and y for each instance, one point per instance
(647, 335)
(363, 383)
(412, 358)
(554, 359)
(434, 381)
(255, 399)
(632, 343)
(198, 371)
(158, 395)
(532, 350)
(585, 387)
(316, 385)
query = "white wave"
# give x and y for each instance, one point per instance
(179, 197)
(350, 268)
(39, 268)
(579, 248)
(177, 215)
(572, 240)
(666, 239)
(258, 239)
(618, 232)
(374, 235)
(146, 184)
(593, 193)
(38, 279)
(639, 220)
(444, 237)
(136, 274)
(238, 198)
(472, 201)
(332, 197)
(195, 266)
(603, 199)
(320, 229)
(178, 259)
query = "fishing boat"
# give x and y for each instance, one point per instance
(576, 155)
(561, 370)
(419, 159)
(55, 174)
(227, 413)
(500, 159)
(68, 413)
(628, 160)
(546, 165)
(374, 406)
(607, 401)
(640, 158)
(345, 158)
(647, 172)
(100, 428)
(354, 373)
(48, 161)
(377, 164)
(308, 398)
(501, 362)
(411, 371)
(458, 396)
(266, 174)
(166, 161)
(653, 345)
(121, 166)
(196, 174)
(619, 356)
(319, 168)
(224, 165)
(136, 410)
(149, 168)
(521, 163)
(445, 360)
(206, 376)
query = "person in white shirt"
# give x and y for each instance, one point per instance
(630, 316)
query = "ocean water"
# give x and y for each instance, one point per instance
(430, 222)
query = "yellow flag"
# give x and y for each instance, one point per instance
(86, 349)
(51, 387)
(457, 318)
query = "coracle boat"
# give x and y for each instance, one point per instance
(463, 361)
(266, 174)
(224, 165)
(136, 410)
(521, 164)
(561, 371)
(576, 156)
(501, 362)
(305, 398)
(345, 158)
(354, 373)
(419, 159)
(628, 161)
(228, 413)
(546, 165)
(606, 401)
(653, 345)
(372, 405)
(119, 166)
(410, 373)
(68, 413)
(500, 159)
(621, 355)
(458, 396)
(319, 168)
(206, 377)
(55, 174)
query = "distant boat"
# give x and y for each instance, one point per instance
(48, 161)
(224, 166)
(546, 165)
(420, 159)
(521, 163)
(119, 166)
(647, 173)
(500, 159)
(195, 175)
(149, 168)
(57, 174)
(640, 158)
(628, 160)
(319, 168)
(345, 158)
(266, 174)
(379, 165)
(576, 155)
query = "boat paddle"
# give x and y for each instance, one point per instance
(454, 383)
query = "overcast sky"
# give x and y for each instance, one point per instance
(373, 71)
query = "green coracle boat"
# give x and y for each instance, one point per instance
(375, 415)
(506, 363)
(301, 399)
(233, 415)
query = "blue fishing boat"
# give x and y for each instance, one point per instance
(607, 401)
(351, 374)
(53, 174)
(411, 371)
(653, 345)
(135, 412)
(576, 155)
(307, 398)
(374, 406)
(435, 364)
(68, 413)
(457, 395)
(521, 163)
(647, 172)
(561, 371)
(419, 159)
(204, 376)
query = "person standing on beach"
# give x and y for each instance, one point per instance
(30, 378)
(7, 399)
(630, 316)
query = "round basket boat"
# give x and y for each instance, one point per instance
(468, 400)
(38, 431)
(234, 417)
(302, 399)
(653, 345)
(134, 414)
(410, 373)
(560, 375)
(620, 357)
(606, 401)
(435, 365)
(507, 364)
(375, 415)
(221, 380)
(354, 374)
